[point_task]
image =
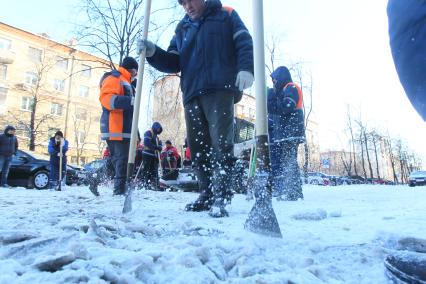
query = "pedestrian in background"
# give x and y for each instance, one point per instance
(8, 148)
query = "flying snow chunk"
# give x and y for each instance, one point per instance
(317, 215)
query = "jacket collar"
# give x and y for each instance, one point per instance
(126, 74)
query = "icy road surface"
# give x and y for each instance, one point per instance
(336, 235)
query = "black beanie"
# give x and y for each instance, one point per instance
(129, 63)
(59, 133)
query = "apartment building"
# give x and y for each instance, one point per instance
(47, 86)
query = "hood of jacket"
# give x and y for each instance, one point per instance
(282, 77)
(9, 127)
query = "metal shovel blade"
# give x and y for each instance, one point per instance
(127, 207)
(262, 219)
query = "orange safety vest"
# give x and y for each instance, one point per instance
(299, 104)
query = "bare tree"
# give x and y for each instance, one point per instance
(82, 121)
(352, 139)
(375, 139)
(111, 28)
(389, 145)
(36, 92)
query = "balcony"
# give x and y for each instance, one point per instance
(7, 56)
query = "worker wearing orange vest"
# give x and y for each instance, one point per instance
(286, 131)
(117, 97)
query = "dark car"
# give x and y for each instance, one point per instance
(358, 180)
(417, 178)
(376, 181)
(31, 170)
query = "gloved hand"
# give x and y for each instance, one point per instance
(59, 154)
(145, 44)
(132, 100)
(244, 80)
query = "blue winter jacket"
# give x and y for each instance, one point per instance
(8, 143)
(150, 141)
(407, 32)
(53, 149)
(285, 120)
(209, 52)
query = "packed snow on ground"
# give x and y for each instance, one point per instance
(336, 235)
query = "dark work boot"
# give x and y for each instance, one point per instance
(222, 193)
(93, 184)
(406, 267)
(218, 209)
(203, 203)
(205, 199)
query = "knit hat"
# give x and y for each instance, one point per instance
(157, 128)
(129, 63)
(59, 133)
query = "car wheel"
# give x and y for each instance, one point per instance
(41, 179)
(412, 184)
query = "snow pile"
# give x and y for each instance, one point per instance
(336, 235)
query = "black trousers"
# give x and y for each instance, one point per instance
(210, 132)
(285, 170)
(149, 172)
(119, 155)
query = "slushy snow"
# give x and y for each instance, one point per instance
(336, 235)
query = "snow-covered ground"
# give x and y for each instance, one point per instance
(336, 235)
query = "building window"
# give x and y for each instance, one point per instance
(81, 137)
(252, 113)
(59, 85)
(27, 103)
(35, 54)
(5, 43)
(3, 97)
(84, 91)
(86, 70)
(81, 114)
(3, 71)
(62, 62)
(56, 109)
(31, 78)
(240, 110)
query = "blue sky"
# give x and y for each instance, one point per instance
(345, 43)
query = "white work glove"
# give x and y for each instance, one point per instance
(244, 80)
(132, 100)
(145, 44)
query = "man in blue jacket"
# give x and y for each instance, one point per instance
(55, 154)
(286, 127)
(213, 51)
(150, 154)
(8, 148)
(407, 33)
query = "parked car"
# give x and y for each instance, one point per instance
(417, 178)
(344, 180)
(317, 178)
(358, 180)
(32, 170)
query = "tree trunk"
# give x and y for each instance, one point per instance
(392, 160)
(375, 153)
(306, 163)
(31, 145)
(362, 155)
(368, 153)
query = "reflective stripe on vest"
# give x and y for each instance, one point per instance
(299, 104)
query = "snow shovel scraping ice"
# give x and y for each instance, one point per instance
(127, 207)
(261, 219)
